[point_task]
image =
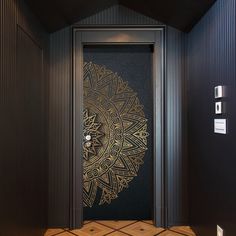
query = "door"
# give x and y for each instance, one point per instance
(118, 132)
(118, 126)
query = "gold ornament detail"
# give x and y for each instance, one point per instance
(115, 134)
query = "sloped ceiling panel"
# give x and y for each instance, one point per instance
(181, 14)
(118, 15)
(57, 14)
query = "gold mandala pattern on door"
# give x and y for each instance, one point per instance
(115, 134)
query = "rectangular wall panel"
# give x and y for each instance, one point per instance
(59, 127)
(23, 139)
(176, 124)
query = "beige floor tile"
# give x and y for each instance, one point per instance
(141, 229)
(117, 233)
(87, 221)
(128, 228)
(169, 233)
(183, 229)
(93, 229)
(116, 224)
(148, 221)
(65, 234)
(51, 232)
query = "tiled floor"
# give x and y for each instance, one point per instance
(121, 228)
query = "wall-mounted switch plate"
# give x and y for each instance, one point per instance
(218, 108)
(220, 126)
(220, 231)
(219, 91)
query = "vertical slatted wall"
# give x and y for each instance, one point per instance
(23, 143)
(59, 127)
(211, 62)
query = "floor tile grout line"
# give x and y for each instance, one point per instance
(110, 232)
(129, 224)
(104, 225)
(124, 232)
(71, 232)
(93, 222)
(119, 232)
(178, 232)
(87, 223)
(68, 231)
(142, 222)
(146, 222)
(57, 233)
(114, 230)
(119, 228)
(63, 232)
(160, 232)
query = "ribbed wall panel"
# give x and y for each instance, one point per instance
(8, 47)
(211, 62)
(59, 127)
(15, 18)
(61, 74)
(8, 140)
(175, 130)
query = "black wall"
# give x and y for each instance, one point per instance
(211, 62)
(23, 138)
(60, 108)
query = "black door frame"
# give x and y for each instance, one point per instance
(150, 35)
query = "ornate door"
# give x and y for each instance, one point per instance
(117, 132)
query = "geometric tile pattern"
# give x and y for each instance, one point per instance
(121, 228)
(170, 233)
(117, 224)
(186, 230)
(142, 229)
(94, 229)
(52, 232)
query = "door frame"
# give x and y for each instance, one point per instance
(119, 35)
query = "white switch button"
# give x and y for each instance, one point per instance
(219, 91)
(220, 126)
(218, 108)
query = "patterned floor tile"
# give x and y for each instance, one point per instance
(184, 230)
(148, 221)
(87, 221)
(116, 224)
(65, 234)
(141, 229)
(93, 229)
(169, 233)
(51, 232)
(117, 233)
(122, 228)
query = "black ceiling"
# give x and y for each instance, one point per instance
(181, 14)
